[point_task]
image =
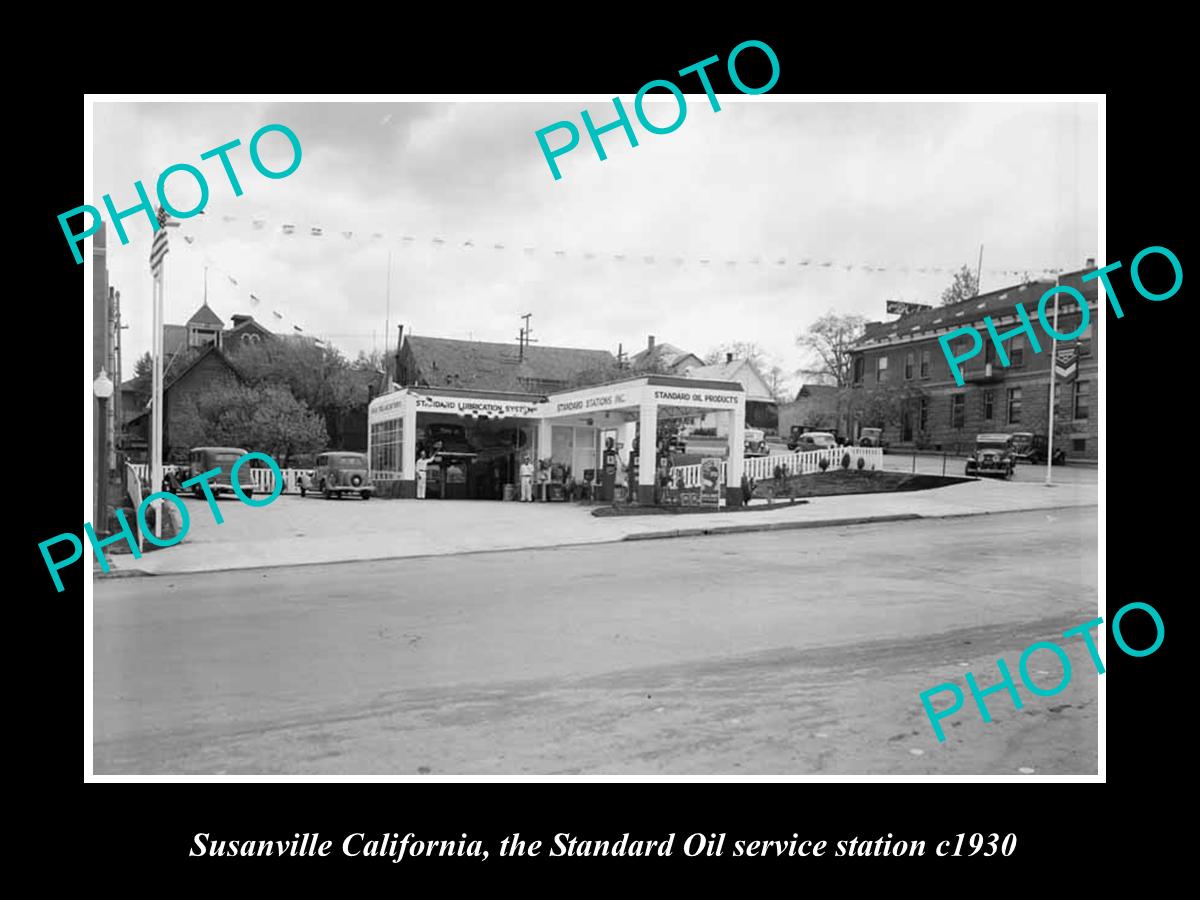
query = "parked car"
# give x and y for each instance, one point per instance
(814, 440)
(202, 459)
(872, 437)
(755, 442)
(1032, 448)
(993, 455)
(339, 473)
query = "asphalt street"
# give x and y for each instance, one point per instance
(778, 653)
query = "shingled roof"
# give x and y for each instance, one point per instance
(499, 367)
(996, 304)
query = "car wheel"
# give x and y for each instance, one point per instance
(366, 495)
(198, 492)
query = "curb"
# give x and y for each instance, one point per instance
(647, 536)
(771, 526)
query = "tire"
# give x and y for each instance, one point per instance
(198, 492)
(366, 495)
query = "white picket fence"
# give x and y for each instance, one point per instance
(264, 479)
(762, 468)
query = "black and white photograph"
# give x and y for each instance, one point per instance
(682, 435)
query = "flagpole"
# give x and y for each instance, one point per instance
(1053, 367)
(156, 443)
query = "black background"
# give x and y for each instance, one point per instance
(145, 830)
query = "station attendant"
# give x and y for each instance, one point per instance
(422, 465)
(526, 481)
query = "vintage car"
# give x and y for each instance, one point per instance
(813, 440)
(871, 437)
(202, 459)
(993, 455)
(1032, 448)
(755, 442)
(340, 472)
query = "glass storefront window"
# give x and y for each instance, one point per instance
(387, 448)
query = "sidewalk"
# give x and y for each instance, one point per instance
(295, 531)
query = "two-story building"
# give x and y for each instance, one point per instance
(903, 382)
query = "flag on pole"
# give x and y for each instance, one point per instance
(159, 248)
(1066, 362)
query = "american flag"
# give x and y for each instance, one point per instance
(159, 248)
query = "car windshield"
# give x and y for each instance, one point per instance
(992, 445)
(225, 459)
(352, 459)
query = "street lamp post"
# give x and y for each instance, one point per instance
(102, 389)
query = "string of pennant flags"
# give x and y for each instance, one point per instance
(189, 235)
(360, 237)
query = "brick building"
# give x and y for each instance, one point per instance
(902, 380)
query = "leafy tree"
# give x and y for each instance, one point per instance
(828, 343)
(964, 287)
(315, 374)
(266, 418)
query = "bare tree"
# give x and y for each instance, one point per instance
(964, 287)
(740, 350)
(828, 342)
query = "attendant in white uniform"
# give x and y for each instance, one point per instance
(422, 465)
(526, 481)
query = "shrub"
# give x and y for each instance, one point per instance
(862, 462)
(846, 461)
(824, 463)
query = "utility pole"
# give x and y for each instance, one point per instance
(1053, 368)
(387, 316)
(979, 273)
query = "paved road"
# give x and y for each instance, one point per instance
(955, 465)
(769, 653)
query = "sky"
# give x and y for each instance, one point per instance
(767, 184)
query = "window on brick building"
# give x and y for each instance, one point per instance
(989, 398)
(1084, 342)
(880, 368)
(910, 362)
(1014, 406)
(1079, 445)
(1016, 351)
(859, 366)
(924, 363)
(924, 414)
(1079, 400)
(989, 350)
(958, 410)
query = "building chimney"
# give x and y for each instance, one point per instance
(728, 357)
(1091, 263)
(650, 344)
